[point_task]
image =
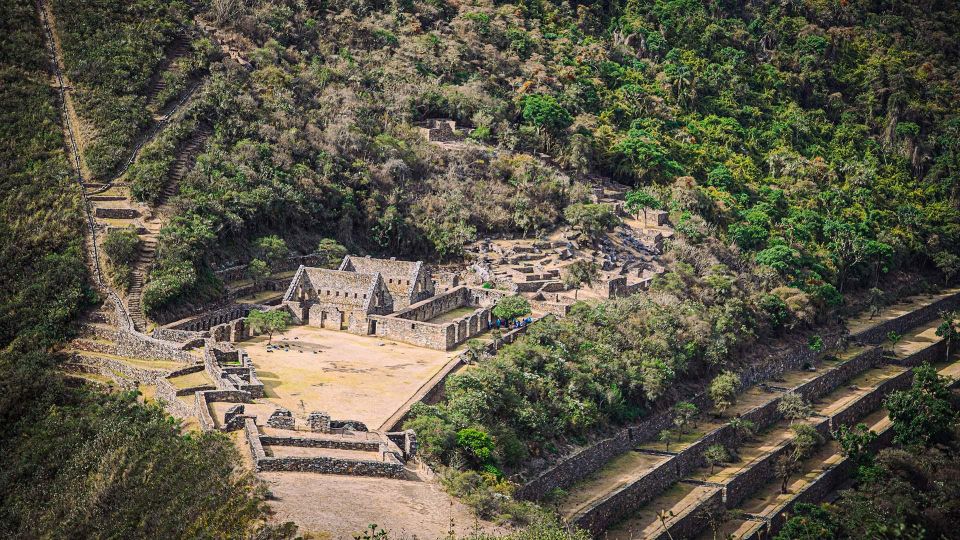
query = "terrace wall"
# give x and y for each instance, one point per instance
(903, 323)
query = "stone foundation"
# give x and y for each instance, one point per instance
(281, 419)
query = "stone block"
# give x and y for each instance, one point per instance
(281, 419)
(319, 422)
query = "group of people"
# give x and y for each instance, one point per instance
(509, 325)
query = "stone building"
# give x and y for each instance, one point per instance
(408, 281)
(389, 298)
(344, 299)
(337, 299)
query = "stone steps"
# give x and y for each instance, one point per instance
(184, 162)
(178, 48)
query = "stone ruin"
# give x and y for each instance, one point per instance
(233, 418)
(319, 422)
(281, 419)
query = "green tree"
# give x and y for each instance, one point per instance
(331, 253)
(591, 219)
(476, 349)
(258, 271)
(894, 337)
(745, 428)
(683, 414)
(510, 308)
(855, 442)
(949, 330)
(544, 112)
(639, 200)
(805, 441)
(121, 246)
(268, 321)
(809, 522)
(664, 437)
(716, 454)
(579, 273)
(273, 250)
(793, 407)
(723, 390)
(922, 414)
(477, 444)
(948, 263)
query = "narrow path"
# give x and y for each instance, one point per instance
(70, 126)
(108, 193)
(186, 156)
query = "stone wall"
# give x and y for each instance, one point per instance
(390, 468)
(833, 378)
(218, 317)
(613, 508)
(135, 345)
(932, 354)
(546, 307)
(310, 442)
(433, 393)
(116, 213)
(871, 401)
(226, 377)
(239, 272)
(903, 323)
(125, 370)
(693, 519)
(178, 336)
(577, 466)
(410, 325)
(574, 468)
(204, 398)
(167, 396)
(618, 287)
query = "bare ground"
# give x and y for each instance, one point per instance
(330, 506)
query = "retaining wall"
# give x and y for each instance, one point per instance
(140, 346)
(619, 504)
(833, 378)
(167, 395)
(692, 520)
(133, 373)
(304, 442)
(903, 323)
(577, 466)
(391, 468)
(116, 213)
(204, 398)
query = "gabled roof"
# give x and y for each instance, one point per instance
(399, 276)
(346, 288)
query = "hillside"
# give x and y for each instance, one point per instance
(806, 156)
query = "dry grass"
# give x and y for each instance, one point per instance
(352, 377)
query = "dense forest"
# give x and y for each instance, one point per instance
(817, 138)
(808, 152)
(78, 462)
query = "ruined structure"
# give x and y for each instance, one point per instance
(408, 282)
(337, 299)
(389, 298)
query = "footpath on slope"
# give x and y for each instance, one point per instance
(108, 203)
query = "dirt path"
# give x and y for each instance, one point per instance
(72, 124)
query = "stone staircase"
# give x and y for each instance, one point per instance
(184, 162)
(148, 252)
(179, 47)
